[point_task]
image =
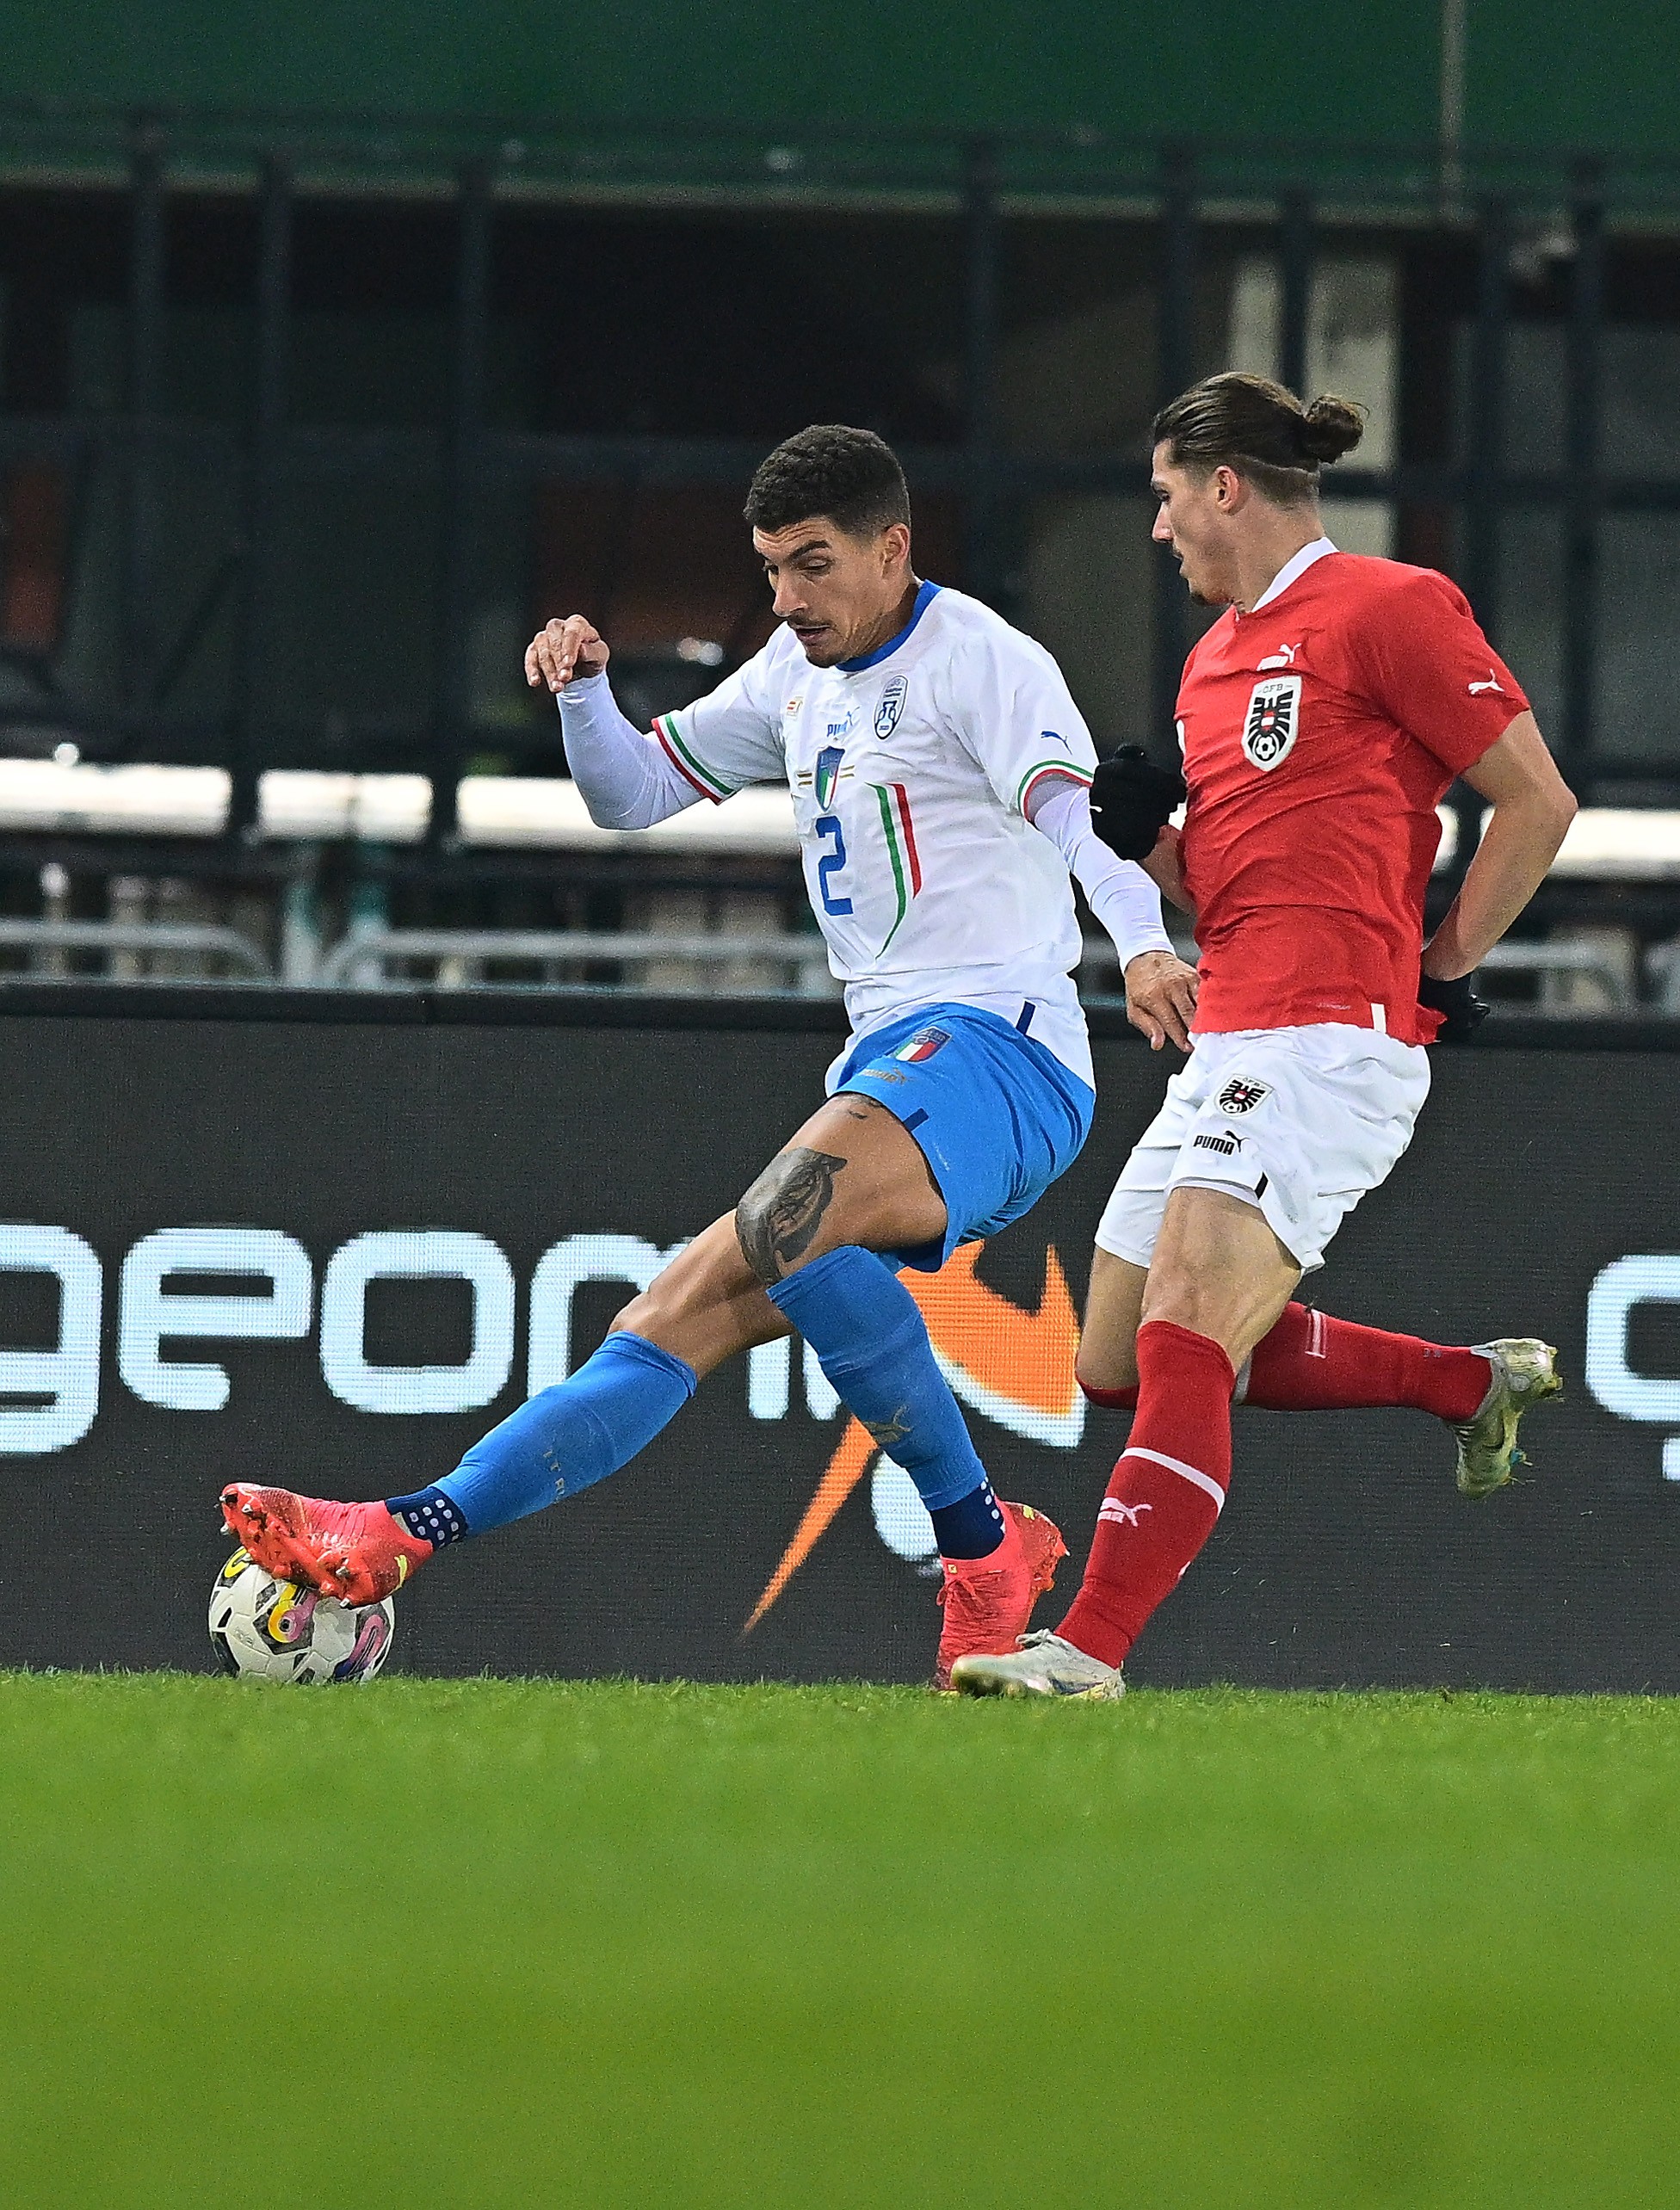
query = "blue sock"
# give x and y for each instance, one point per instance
(873, 1344)
(971, 1527)
(430, 1516)
(566, 1438)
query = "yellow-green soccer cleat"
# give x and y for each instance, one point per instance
(1525, 1373)
(1044, 1665)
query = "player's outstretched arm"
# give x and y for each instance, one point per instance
(1532, 808)
(625, 779)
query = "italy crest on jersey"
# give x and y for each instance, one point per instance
(922, 1045)
(1272, 722)
(827, 770)
(892, 706)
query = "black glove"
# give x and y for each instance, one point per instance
(1464, 1011)
(1130, 801)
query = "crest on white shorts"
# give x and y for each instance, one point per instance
(1240, 1096)
(1274, 717)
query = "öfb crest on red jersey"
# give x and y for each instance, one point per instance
(1272, 722)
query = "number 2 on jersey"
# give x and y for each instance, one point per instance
(831, 864)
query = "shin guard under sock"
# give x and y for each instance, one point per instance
(1311, 1362)
(568, 1437)
(872, 1342)
(1166, 1493)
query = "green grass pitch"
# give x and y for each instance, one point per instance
(538, 1943)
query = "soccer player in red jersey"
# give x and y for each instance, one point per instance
(1322, 718)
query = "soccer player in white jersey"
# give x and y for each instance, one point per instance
(1322, 718)
(940, 773)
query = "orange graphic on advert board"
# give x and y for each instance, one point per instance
(1023, 1358)
(1016, 1366)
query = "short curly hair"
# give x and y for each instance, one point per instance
(850, 475)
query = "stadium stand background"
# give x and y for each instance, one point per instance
(339, 347)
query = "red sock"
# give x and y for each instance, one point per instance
(1312, 1363)
(1166, 1491)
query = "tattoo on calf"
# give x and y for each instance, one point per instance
(777, 1219)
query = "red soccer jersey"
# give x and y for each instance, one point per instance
(1320, 732)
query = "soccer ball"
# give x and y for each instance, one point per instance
(267, 1630)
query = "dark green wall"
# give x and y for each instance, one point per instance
(850, 60)
(1564, 72)
(1541, 71)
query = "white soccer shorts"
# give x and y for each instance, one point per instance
(1301, 1122)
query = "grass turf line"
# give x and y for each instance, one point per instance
(492, 1942)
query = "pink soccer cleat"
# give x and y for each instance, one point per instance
(988, 1600)
(356, 1553)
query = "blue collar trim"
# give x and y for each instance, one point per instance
(925, 599)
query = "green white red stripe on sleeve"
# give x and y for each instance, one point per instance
(686, 764)
(1068, 770)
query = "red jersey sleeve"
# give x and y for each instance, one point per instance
(1432, 671)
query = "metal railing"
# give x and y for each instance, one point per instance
(1662, 965)
(194, 939)
(1564, 960)
(1286, 199)
(460, 956)
(377, 958)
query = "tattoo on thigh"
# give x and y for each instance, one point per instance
(779, 1215)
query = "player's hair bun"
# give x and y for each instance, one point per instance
(1328, 428)
(1250, 423)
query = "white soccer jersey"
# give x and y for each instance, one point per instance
(910, 771)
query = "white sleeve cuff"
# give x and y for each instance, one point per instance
(1118, 891)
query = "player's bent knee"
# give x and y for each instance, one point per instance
(1185, 1305)
(693, 1328)
(664, 1304)
(639, 1317)
(781, 1218)
(1184, 1297)
(1112, 1374)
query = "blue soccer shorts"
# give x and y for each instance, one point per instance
(998, 1117)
